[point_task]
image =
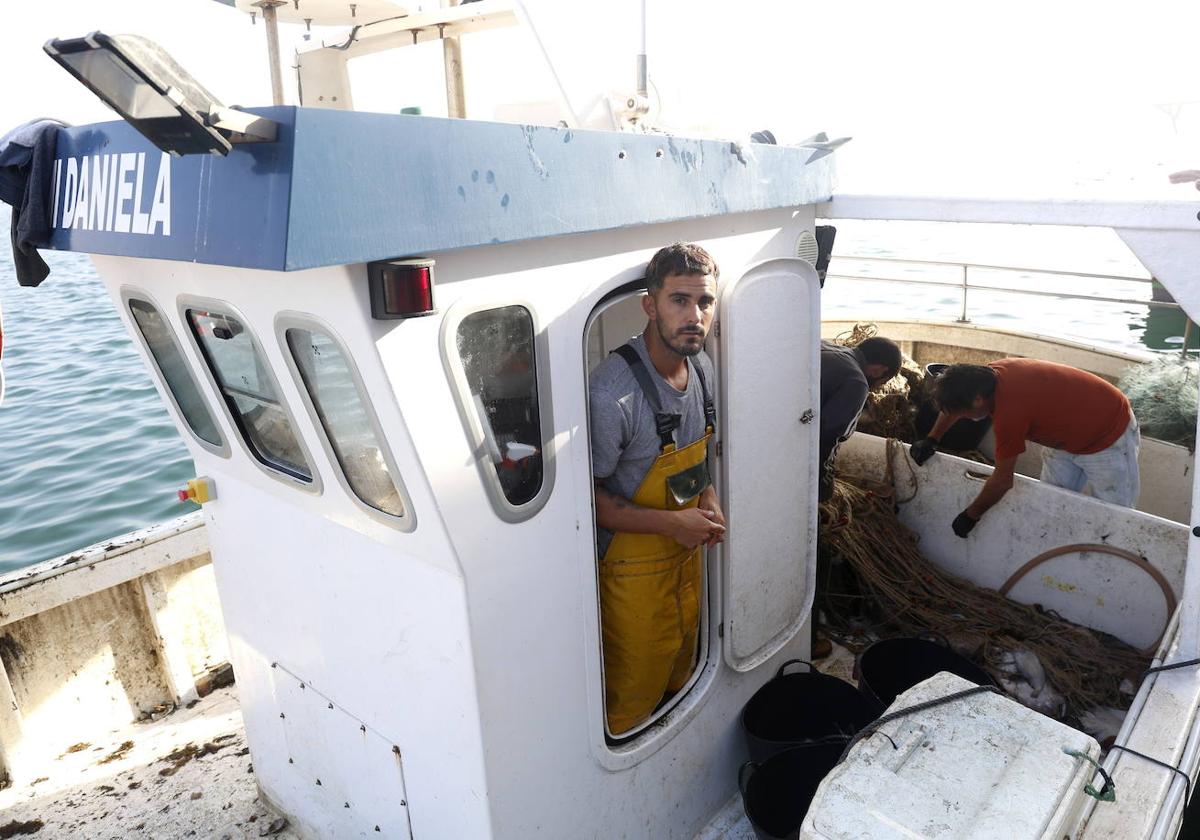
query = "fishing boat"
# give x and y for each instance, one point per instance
(374, 333)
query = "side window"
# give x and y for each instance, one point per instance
(496, 348)
(166, 354)
(249, 390)
(349, 425)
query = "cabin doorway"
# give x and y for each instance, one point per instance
(616, 319)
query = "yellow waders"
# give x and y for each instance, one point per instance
(650, 585)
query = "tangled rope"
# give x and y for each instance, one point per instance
(859, 526)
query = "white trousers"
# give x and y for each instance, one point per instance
(1110, 474)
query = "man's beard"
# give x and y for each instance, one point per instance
(678, 346)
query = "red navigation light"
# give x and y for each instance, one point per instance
(401, 288)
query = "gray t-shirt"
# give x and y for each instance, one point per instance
(624, 440)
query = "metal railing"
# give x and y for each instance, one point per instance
(965, 284)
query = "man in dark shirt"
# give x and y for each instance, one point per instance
(847, 374)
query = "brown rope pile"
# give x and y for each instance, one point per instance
(859, 526)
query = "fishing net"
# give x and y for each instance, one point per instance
(1163, 395)
(884, 586)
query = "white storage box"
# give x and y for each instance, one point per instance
(980, 767)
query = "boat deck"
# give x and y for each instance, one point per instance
(186, 774)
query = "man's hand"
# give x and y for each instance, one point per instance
(923, 449)
(693, 526)
(710, 502)
(963, 523)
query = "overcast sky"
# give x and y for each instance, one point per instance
(1070, 98)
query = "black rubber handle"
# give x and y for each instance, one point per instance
(783, 667)
(744, 777)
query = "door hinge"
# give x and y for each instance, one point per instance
(721, 630)
(719, 449)
(717, 329)
(807, 416)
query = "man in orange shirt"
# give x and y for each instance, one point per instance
(1086, 424)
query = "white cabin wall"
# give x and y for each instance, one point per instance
(363, 612)
(532, 586)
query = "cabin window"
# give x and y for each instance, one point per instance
(245, 382)
(496, 348)
(160, 342)
(339, 403)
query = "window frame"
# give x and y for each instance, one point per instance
(289, 319)
(185, 302)
(473, 425)
(133, 293)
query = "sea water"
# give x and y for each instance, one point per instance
(89, 452)
(87, 449)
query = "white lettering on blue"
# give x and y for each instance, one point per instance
(81, 197)
(124, 192)
(68, 213)
(57, 184)
(140, 219)
(160, 210)
(113, 193)
(99, 196)
(114, 164)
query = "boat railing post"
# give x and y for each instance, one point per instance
(272, 27)
(963, 319)
(456, 97)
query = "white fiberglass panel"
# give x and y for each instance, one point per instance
(770, 394)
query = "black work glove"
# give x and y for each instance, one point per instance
(963, 523)
(923, 449)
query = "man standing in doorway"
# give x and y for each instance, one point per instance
(847, 374)
(1085, 422)
(652, 417)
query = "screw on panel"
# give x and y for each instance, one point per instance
(331, 705)
(301, 686)
(282, 716)
(362, 728)
(403, 803)
(376, 828)
(274, 664)
(318, 781)
(290, 761)
(345, 804)
(621, 155)
(658, 153)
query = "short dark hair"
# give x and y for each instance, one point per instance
(878, 350)
(680, 258)
(959, 385)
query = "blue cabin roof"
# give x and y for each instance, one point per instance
(341, 187)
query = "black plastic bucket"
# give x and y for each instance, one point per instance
(798, 708)
(964, 435)
(890, 667)
(776, 793)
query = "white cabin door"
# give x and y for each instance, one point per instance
(769, 344)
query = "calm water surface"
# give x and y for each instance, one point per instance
(88, 451)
